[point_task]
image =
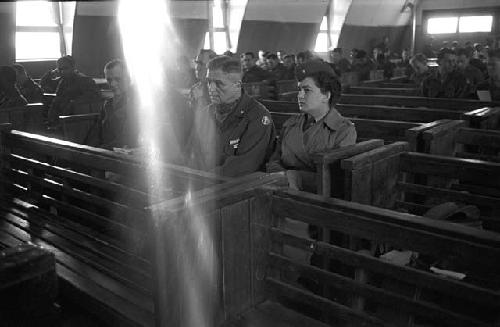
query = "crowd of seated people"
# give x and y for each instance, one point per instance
(461, 72)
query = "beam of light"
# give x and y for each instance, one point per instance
(150, 46)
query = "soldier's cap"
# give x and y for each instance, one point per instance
(311, 67)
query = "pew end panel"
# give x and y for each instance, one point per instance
(483, 118)
(371, 177)
(441, 139)
(329, 177)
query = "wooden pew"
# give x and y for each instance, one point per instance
(90, 207)
(236, 271)
(454, 138)
(410, 101)
(260, 90)
(82, 129)
(29, 118)
(484, 118)
(382, 82)
(379, 123)
(367, 90)
(392, 177)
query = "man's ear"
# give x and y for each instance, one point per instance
(327, 96)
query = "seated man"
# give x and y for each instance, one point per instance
(339, 63)
(492, 85)
(362, 65)
(319, 128)
(28, 88)
(472, 74)
(72, 86)
(447, 81)
(119, 125)
(251, 72)
(9, 94)
(289, 63)
(277, 70)
(234, 135)
(198, 94)
(420, 69)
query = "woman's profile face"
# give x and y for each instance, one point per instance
(310, 97)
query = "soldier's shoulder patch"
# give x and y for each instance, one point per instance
(266, 120)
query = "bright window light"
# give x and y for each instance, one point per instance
(35, 13)
(220, 44)
(442, 25)
(37, 45)
(321, 43)
(470, 24)
(324, 24)
(218, 17)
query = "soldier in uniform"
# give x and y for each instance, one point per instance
(28, 88)
(318, 128)
(420, 69)
(198, 95)
(9, 94)
(72, 86)
(234, 135)
(473, 75)
(446, 81)
(493, 83)
(251, 72)
(278, 70)
(119, 128)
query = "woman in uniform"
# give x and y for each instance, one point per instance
(318, 128)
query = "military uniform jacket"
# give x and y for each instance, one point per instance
(301, 137)
(237, 146)
(31, 91)
(255, 74)
(453, 85)
(119, 126)
(13, 98)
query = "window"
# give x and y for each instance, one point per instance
(462, 24)
(322, 38)
(442, 25)
(220, 31)
(44, 30)
(470, 24)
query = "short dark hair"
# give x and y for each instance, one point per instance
(227, 64)
(305, 55)
(272, 56)
(249, 53)
(420, 57)
(326, 83)
(67, 59)
(289, 56)
(443, 52)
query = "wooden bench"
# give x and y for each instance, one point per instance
(392, 177)
(237, 271)
(411, 101)
(383, 82)
(29, 118)
(81, 129)
(90, 207)
(367, 90)
(454, 138)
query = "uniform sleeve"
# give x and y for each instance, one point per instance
(346, 136)
(255, 145)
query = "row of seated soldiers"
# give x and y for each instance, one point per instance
(17, 88)
(221, 129)
(458, 75)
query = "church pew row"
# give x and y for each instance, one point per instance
(229, 259)
(368, 90)
(478, 118)
(454, 138)
(29, 118)
(392, 177)
(411, 101)
(90, 207)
